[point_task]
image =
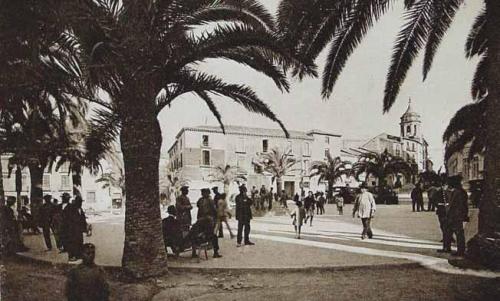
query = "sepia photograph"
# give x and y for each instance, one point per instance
(221, 150)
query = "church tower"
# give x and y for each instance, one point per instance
(411, 124)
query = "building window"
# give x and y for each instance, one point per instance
(306, 166)
(46, 182)
(415, 129)
(413, 146)
(240, 147)
(327, 139)
(204, 140)
(265, 146)
(327, 152)
(91, 197)
(181, 161)
(307, 149)
(408, 130)
(465, 162)
(65, 182)
(206, 157)
(240, 162)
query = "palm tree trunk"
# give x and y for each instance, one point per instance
(77, 182)
(226, 189)
(143, 252)
(2, 191)
(329, 195)
(489, 220)
(279, 186)
(36, 178)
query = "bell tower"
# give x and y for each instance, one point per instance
(410, 124)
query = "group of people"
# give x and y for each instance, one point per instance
(180, 234)
(66, 221)
(262, 198)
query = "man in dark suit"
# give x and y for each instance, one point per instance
(243, 215)
(75, 224)
(207, 210)
(46, 219)
(457, 214)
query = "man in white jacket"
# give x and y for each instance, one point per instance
(365, 207)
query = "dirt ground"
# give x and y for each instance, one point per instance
(26, 281)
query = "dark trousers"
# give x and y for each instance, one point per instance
(215, 243)
(270, 200)
(419, 204)
(367, 230)
(431, 206)
(456, 228)
(46, 236)
(242, 225)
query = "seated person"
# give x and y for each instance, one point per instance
(172, 235)
(27, 220)
(201, 232)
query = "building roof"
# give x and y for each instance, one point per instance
(320, 132)
(410, 112)
(251, 131)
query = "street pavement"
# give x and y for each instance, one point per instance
(333, 241)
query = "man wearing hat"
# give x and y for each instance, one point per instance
(365, 207)
(46, 219)
(456, 215)
(183, 207)
(243, 215)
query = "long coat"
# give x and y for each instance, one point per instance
(75, 224)
(459, 209)
(365, 205)
(243, 208)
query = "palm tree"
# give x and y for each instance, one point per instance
(113, 179)
(172, 183)
(330, 170)
(344, 23)
(143, 54)
(227, 175)
(277, 163)
(381, 166)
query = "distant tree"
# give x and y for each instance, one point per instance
(330, 170)
(382, 165)
(172, 183)
(227, 175)
(278, 163)
(113, 179)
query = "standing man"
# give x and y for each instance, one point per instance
(46, 212)
(417, 199)
(75, 226)
(270, 198)
(457, 214)
(441, 198)
(309, 207)
(217, 197)
(365, 207)
(254, 195)
(321, 203)
(59, 220)
(243, 215)
(183, 208)
(207, 210)
(263, 197)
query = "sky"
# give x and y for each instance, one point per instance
(355, 108)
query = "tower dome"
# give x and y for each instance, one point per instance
(410, 123)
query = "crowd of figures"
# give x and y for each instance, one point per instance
(66, 221)
(181, 234)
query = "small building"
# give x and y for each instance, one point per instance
(197, 150)
(471, 169)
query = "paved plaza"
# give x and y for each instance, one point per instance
(400, 237)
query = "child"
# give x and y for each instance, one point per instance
(298, 214)
(340, 203)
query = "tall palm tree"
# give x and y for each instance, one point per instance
(344, 23)
(381, 166)
(277, 163)
(143, 54)
(227, 175)
(330, 170)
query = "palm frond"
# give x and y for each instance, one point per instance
(479, 87)
(443, 13)
(477, 40)
(409, 41)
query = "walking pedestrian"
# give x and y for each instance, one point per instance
(309, 203)
(270, 197)
(75, 225)
(223, 214)
(283, 199)
(254, 196)
(339, 200)
(87, 281)
(183, 207)
(298, 215)
(321, 203)
(457, 214)
(417, 199)
(46, 212)
(263, 197)
(243, 216)
(207, 210)
(365, 207)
